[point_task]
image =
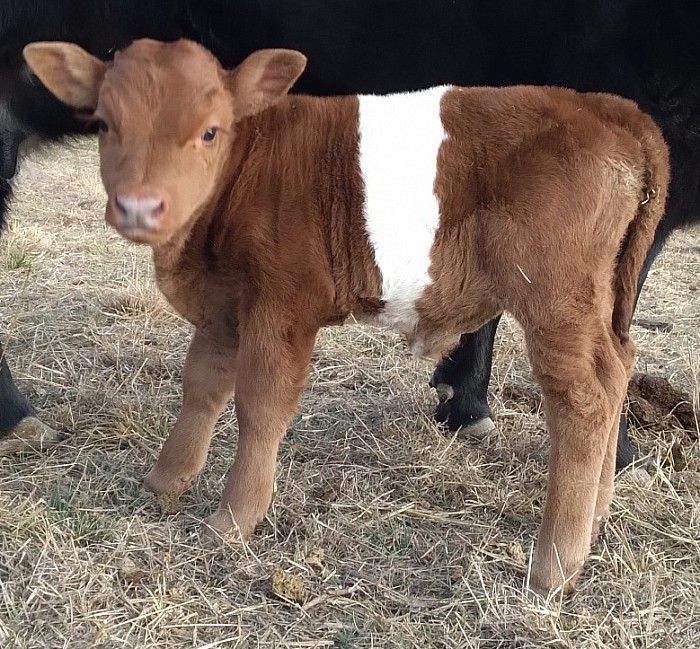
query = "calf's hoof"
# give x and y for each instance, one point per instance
(549, 577)
(222, 522)
(166, 489)
(597, 524)
(30, 434)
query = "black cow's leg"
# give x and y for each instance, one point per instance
(19, 428)
(13, 405)
(5, 193)
(462, 382)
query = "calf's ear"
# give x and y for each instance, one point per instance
(263, 78)
(68, 71)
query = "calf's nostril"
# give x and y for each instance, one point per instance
(158, 207)
(121, 204)
(151, 205)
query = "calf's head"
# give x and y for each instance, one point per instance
(168, 115)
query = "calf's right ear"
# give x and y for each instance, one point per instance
(263, 78)
(68, 71)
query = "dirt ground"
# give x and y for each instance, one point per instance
(384, 532)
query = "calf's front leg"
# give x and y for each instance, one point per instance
(273, 374)
(209, 379)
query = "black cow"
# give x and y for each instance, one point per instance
(647, 50)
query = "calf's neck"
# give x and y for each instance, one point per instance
(271, 216)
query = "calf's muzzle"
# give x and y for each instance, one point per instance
(135, 216)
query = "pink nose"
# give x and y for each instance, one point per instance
(138, 212)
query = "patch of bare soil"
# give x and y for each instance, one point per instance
(654, 402)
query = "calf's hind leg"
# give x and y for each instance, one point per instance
(275, 374)
(583, 381)
(209, 379)
(462, 380)
(626, 353)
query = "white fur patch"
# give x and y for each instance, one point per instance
(400, 136)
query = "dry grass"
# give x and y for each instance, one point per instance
(384, 532)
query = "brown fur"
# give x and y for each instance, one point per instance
(260, 242)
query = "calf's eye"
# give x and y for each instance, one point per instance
(209, 134)
(101, 126)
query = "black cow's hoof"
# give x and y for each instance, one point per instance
(459, 412)
(30, 434)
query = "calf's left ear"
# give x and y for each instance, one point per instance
(263, 78)
(68, 71)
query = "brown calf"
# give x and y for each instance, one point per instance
(271, 216)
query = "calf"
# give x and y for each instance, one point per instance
(271, 216)
(647, 50)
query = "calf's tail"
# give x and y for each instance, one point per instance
(641, 229)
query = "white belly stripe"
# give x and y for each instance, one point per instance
(400, 136)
